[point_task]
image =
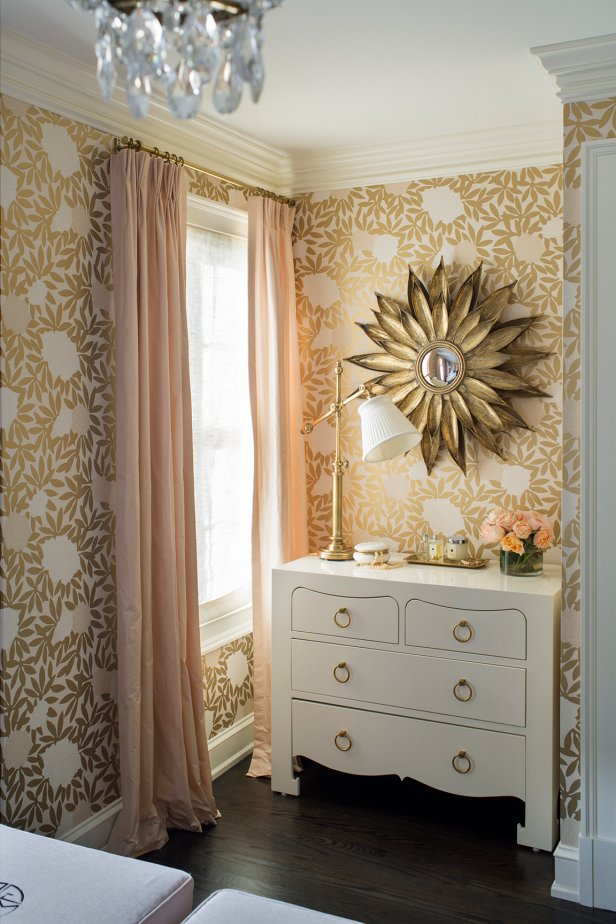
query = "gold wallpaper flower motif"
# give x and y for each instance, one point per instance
(227, 684)
(57, 654)
(582, 122)
(58, 658)
(351, 243)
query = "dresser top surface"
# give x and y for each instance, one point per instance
(488, 578)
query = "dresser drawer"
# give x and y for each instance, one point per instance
(374, 619)
(372, 743)
(501, 633)
(472, 689)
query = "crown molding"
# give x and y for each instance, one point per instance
(585, 69)
(533, 144)
(40, 76)
(36, 74)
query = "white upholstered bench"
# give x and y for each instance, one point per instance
(231, 907)
(45, 881)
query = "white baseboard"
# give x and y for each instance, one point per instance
(226, 749)
(566, 883)
(597, 867)
(231, 745)
(94, 831)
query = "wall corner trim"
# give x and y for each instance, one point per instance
(231, 745)
(585, 69)
(566, 883)
(94, 831)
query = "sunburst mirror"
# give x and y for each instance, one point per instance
(450, 364)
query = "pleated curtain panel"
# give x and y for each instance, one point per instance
(165, 768)
(279, 527)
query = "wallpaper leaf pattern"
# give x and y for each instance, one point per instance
(57, 646)
(351, 243)
(58, 623)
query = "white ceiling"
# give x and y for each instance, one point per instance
(346, 73)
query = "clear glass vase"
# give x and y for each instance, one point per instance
(525, 565)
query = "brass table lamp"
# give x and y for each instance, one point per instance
(386, 433)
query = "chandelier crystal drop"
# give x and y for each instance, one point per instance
(179, 46)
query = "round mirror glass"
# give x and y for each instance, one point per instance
(440, 367)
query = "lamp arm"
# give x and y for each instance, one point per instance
(334, 408)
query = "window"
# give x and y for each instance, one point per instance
(216, 301)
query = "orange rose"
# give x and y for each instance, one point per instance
(511, 543)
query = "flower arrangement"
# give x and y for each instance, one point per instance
(522, 533)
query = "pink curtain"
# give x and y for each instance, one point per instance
(165, 770)
(279, 530)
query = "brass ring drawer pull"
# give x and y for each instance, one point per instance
(342, 736)
(461, 685)
(461, 762)
(341, 614)
(342, 677)
(463, 631)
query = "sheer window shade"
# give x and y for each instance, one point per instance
(216, 290)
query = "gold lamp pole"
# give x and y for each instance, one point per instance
(337, 549)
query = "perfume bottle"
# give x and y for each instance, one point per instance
(436, 548)
(423, 548)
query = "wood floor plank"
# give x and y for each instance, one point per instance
(376, 850)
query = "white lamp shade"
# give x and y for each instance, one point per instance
(385, 431)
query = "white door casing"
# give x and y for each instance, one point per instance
(598, 517)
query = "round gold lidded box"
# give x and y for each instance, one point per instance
(371, 553)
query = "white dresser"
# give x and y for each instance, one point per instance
(446, 676)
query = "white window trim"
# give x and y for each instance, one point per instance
(215, 216)
(230, 617)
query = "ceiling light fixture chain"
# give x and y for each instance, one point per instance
(181, 46)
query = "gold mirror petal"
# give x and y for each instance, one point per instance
(450, 364)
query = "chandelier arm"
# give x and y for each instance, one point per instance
(230, 7)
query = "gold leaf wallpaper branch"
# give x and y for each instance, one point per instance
(351, 244)
(57, 645)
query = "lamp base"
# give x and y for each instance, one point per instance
(336, 551)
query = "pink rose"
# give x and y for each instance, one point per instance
(522, 529)
(506, 520)
(538, 521)
(511, 543)
(492, 517)
(543, 538)
(490, 532)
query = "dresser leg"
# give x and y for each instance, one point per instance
(541, 829)
(289, 786)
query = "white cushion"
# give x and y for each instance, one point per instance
(231, 907)
(63, 883)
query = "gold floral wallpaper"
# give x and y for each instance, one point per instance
(351, 243)
(227, 684)
(582, 122)
(57, 655)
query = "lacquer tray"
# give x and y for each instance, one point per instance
(469, 563)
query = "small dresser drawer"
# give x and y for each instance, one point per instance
(450, 687)
(468, 761)
(373, 619)
(500, 633)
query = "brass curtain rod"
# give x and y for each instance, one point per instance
(124, 142)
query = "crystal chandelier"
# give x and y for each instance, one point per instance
(179, 45)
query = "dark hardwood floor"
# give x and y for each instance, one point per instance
(377, 850)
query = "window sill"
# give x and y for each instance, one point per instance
(225, 628)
